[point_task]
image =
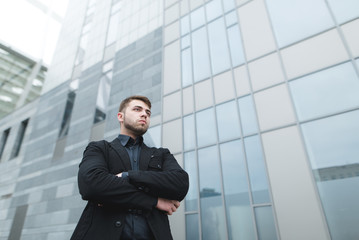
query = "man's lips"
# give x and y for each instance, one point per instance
(142, 121)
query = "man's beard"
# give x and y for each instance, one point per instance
(138, 131)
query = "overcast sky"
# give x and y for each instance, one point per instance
(26, 26)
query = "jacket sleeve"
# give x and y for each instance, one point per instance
(97, 184)
(165, 178)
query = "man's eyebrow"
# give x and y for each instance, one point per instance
(138, 106)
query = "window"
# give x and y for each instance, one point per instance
(65, 125)
(4, 138)
(228, 121)
(235, 45)
(298, 19)
(212, 209)
(190, 164)
(189, 138)
(236, 191)
(256, 170)
(206, 127)
(332, 145)
(265, 223)
(19, 139)
(329, 91)
(218, 46)
(248, 115)
(103, 96)
(200, 55)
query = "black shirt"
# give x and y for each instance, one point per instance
(136, 226)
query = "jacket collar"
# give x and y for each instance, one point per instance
(145, 154)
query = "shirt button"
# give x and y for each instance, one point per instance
(118, 223)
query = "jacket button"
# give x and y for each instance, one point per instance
(118, 223)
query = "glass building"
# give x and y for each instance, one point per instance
(257, 99)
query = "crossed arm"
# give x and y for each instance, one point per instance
(144, 189)
(163, 204)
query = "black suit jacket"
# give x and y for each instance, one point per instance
(109, 197)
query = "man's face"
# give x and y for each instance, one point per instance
(135, 118)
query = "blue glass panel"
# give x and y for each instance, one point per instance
(197, 18)
(152, 137)
(248, 115)
(228, 121)
(332, 145)
(206, 127)
(185, 25)
(231, 18)
(265, 223)
(239, 211)
(344, 10)
(328, 91)
(192, 227)
(189, 133)
(235, 45)
(228, 5)
(186, 62)
(256, 169)
(185, 42)
(218, 46)
(212, 209)
(200, 55)
(298, 19)
(190, 164)
(214, 9)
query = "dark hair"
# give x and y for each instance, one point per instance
(127, 100)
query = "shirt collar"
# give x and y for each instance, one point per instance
(125, 140)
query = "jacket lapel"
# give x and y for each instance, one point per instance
(121, 152)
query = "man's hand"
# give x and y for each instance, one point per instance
(168, 206)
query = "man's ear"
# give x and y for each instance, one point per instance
(120, 117)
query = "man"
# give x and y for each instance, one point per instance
(130, 188)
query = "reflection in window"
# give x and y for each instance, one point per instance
(256, 170)
(200, 55)
(239, 211)
(329, 91)
(332, 145)
(247, 115)
(214, 9)
(197, 18)
(206, 127)
(190, 165)
(19, 138)
(192, 226)
(265, 223)
(235, 45)
(228, 121)
(212, 209)
(218, 46)
(189, 133)
(186, 63)
(344, 10)
(298, 19)
(65, 125)
(4, 138)
(103, 96)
